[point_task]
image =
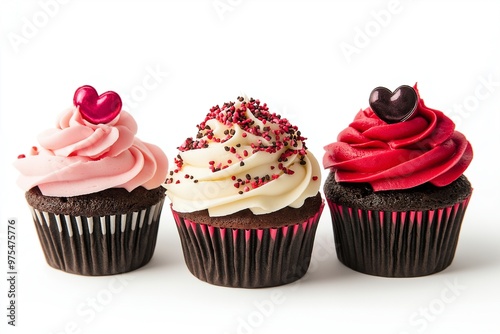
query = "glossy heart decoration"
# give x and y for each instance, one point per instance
(394, 107)
(97, 108)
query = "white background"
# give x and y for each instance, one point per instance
(290, 55)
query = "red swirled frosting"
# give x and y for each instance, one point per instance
(401, 155)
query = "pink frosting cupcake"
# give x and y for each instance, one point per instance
(94, 188)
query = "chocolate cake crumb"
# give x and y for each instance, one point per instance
(247, 220)
(107, 202)
(423, 197)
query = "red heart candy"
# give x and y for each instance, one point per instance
(97, 108)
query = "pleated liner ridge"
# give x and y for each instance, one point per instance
(98, 246)
(397, 244)
(247, 258)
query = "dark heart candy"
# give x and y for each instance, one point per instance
(394, 107)
(97, 108)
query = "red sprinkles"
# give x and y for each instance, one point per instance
(285, 138)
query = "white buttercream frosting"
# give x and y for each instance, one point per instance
(243, 157)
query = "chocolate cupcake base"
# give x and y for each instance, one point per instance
(247, 258)
(98, 245)
(397, 244)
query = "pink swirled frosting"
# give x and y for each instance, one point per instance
(401, 155)
(78, 158)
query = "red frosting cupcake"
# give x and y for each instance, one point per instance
(396, 189)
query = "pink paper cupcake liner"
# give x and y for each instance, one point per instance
(397, 244)
(247, 258)
(100, 245)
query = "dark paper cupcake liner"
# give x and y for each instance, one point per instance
(247, 258)
(99, 245)
(397, 244)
